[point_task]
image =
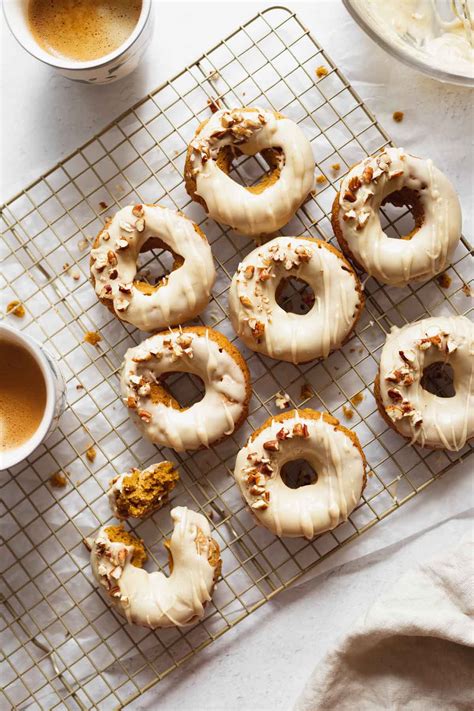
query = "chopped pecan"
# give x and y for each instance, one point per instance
(258, 329)
(111, 258)
(354, 183)
(245, 301)
(249, 271)
(368, 174)
(271, 445)
(145, 416)
(395, 394)
(283, 433)
(349, 196)
(137, 211)
(300, 429)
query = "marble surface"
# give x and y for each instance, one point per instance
(263, 662)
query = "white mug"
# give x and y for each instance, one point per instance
(55, 394)
(110, 67)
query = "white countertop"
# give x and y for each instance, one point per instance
(264, 661)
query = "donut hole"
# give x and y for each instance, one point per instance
(257, 172)
(154, 264)
(298, 473)
(438, 379)
(401, 214)
(178, 390)
(294, 296)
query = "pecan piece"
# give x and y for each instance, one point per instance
(272, 445)
(354, 183)
(300, 429)
(368, 174)
(349, 196)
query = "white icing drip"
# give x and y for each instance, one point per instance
(393, 261)
(152, 599)
(288, 336)
(430, 420)
(205, 422)
(187, 289)
(230, 203)
(312, 509)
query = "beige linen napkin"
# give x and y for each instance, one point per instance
(412, 650)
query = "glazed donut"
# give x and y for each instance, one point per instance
(267, 206)
(179, 296)
(333, 451)
(140, 492)
(398, 177)
(152, 599)
(203, 352)
(410, 409)
(265, 327)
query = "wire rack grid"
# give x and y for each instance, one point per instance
(62, 645)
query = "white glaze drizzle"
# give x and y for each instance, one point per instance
(394, 261)
(184, 293)
(252, 131)
(311, 509)
(188, 351)
(425, 418)
(267, 328)
(153, 599)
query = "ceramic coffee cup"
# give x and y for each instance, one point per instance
(103, 70)
(55, 394)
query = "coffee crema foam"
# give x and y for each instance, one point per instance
(22, 395)
(82, 30)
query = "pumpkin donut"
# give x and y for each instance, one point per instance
(152, 599)
(202, 352)
(408, 407)
(265, 327)
(334, 452)
(263, 208)
(398, 177)
(179, 296)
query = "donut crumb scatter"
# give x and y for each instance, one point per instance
(92, 337)
(398, 116)
(282, 400)
(322, 72)
(467, 290)
(357, 399)
(444, 280)
(348, 412)
(321, 179)
(103, 205)
(16, 308)
(58, 480)
(336, 167)
(91, 453)
(306, 391)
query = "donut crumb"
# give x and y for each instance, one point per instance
(444, 280)
(282, 400)
(92, 337)
(58, 480)
(321, 179)
(91, 453)
(357, 399)
(322, 71)
(16, 308)
(103, 205)
(467, 290)
(306, 391)
(348, 412)
(398, 116)
(336, 167)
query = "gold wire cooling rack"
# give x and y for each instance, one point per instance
(63, 646)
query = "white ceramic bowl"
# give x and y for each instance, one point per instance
(55, 394)
(104, 70)
(403, 42)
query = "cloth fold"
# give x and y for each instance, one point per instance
(412, 650)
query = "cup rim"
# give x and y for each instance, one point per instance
(76, 66)
(14, 456)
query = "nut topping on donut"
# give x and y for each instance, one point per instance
(300, 429)
(137, 211)
(272, 445)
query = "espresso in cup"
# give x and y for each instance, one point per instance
(82, 30)
(22, 395)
